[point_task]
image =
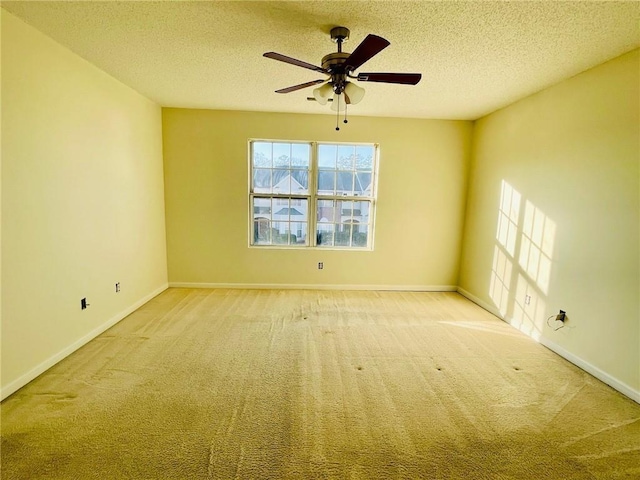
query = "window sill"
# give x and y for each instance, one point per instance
(310, 247)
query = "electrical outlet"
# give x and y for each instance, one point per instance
(320, 265)
(117, 287)
(561, 317)
(83, 304)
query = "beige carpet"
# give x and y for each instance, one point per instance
(237, 384)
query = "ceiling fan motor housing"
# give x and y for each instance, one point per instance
(334, 61)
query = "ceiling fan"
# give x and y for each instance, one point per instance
(340, 67)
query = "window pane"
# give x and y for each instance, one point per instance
(345, 183)
(346, 157)
(327, 211)
(361, 212)
(300, 154)
(326, 183)
(345, 209)
(363, 184)
(262, 231)
(261, 154)
(299, 181)
(281, 181)
(281, 152)
(279, 233)
(364, 158)
(298, 233)
(327, 156)
(261, 180)
(342, 236)
(262, 208)
(359, 236)
(324, 235)
(300, 208)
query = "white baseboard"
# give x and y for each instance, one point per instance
(489, 308)
(297, 286)
(592, 369)
(554, 347)
(51, 361)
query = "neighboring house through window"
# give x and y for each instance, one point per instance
(289, 180)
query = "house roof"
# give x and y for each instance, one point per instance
(289, 211)
(475, 56)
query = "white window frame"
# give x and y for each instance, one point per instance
(313, 197)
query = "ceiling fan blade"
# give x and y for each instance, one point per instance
(404, 78)
(299, 87)
(370, 46)
(292, 61)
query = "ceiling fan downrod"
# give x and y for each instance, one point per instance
(340, 35)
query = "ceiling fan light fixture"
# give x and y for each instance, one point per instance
(339, 103)
(323, 93)
(354, 92)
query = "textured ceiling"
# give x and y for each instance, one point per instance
(475, 57)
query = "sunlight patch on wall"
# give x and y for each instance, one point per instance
(522, 262)
(528, 309)
(508, 217)
(536, 250)
(500, 280)
(507, 235)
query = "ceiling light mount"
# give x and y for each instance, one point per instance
(339, 35)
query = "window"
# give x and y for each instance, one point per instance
(308, 194)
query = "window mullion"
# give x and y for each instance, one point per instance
(313, 190)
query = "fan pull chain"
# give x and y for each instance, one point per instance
(338, 112)
(345, 113)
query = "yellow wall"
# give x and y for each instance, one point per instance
(1, 15)
(422, 182)
(573, 152)
(82, 201)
